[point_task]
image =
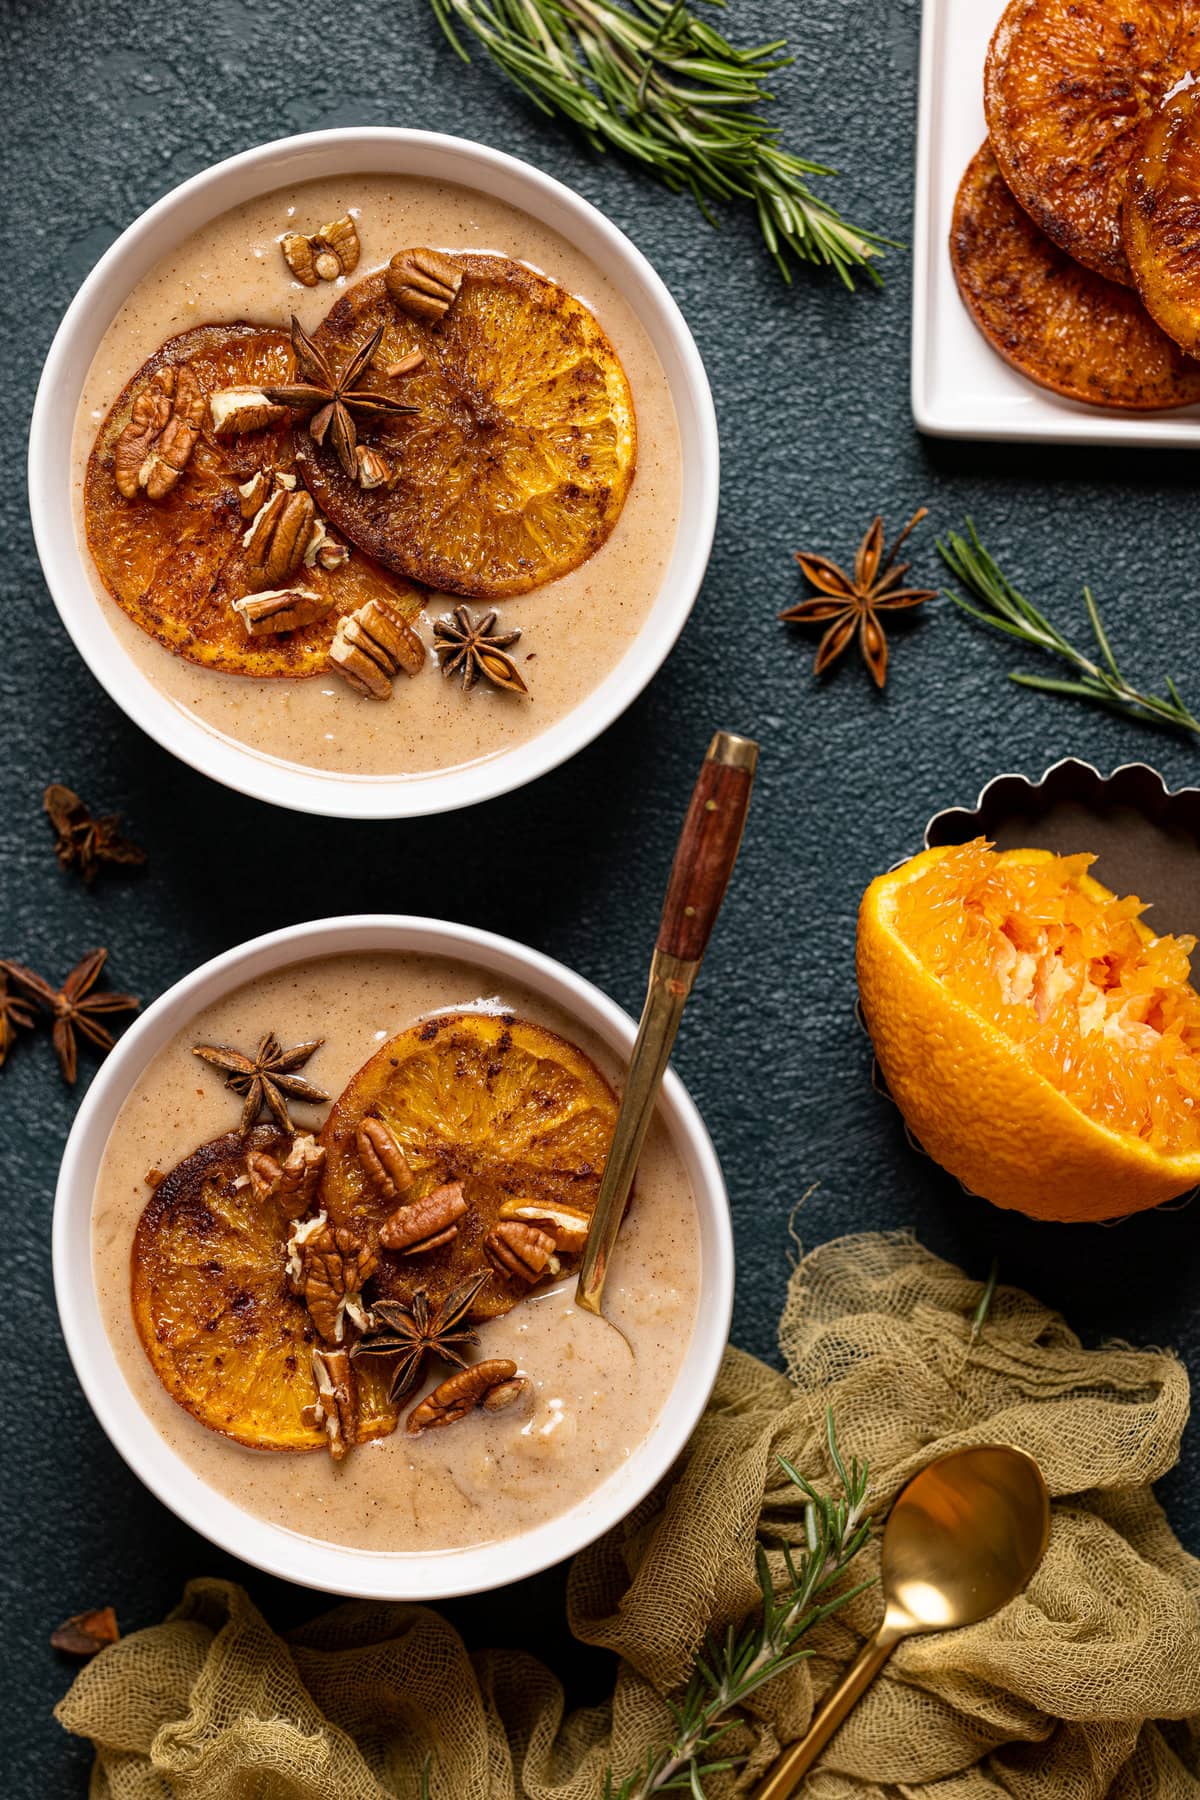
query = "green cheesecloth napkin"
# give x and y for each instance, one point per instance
(1087, 1686)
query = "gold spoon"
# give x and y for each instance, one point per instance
(963, 1539)
(704, 859)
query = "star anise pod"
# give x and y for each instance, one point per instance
(473, 647)
(850, 603)
(420, 1330)
(75, 1006)
(266, 1077)
(83, 842)
(15, 1015)
(331, 402)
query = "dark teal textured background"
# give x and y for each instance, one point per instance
(108, 106)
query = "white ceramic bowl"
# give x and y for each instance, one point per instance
(288, 161)
(165, 1472)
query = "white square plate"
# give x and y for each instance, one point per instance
(960, 387)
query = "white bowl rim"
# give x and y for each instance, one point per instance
(328, 1568)
(236, 765)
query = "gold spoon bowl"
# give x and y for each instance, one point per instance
(963, 1538)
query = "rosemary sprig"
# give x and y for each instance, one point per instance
(1005, 608)
(651, 79)
(731, 1668)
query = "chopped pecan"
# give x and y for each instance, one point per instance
(277, 538)
(243, 409)
(255, 493)
(322, 255)
(460, 1394)
(520, 1249)
(281, 609)
(298, 255)
(154, 449)
(567, 1227)
(337, 1266)
(382, 1159)
(86, 1632)
(293, 1183)
(407, 365)
(337, 1400)
(371, 645)
(423, 283)
(341, 237)
(322, 551)
(505, 1393)
(329, 554)
(426, 1224)
(299, 1238)
(374, 470)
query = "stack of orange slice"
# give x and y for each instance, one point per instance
(1070, 239)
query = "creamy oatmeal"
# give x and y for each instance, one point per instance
(595, 1392)
(575, 629)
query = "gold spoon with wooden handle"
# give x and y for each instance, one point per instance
(963, 1538)
(704, 859)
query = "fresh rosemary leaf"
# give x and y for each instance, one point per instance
(1004, 608)
(730, 1669)
(652, 80)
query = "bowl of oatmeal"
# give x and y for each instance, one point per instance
(315, 1237)
(391, 471)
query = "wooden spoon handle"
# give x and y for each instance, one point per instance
(708, 847)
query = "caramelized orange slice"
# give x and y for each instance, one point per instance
(224, 1334)
(516, 465)
(176, 565)
(1041, 1042)
(1162, 217)
(519, 1116)
(1060, 324)
(1067, 84)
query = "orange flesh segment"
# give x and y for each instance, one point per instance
(1097, 1006)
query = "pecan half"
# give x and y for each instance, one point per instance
(281, 609)
(277, 538)
(383, 1161)
(521, 1250)
(337, 1400)
(460, 1394)
(423, 283)
(371, 645)
(567, 1227)
(155, 447)
(243, 409)
(337, 1266)
(427, 1224)
(322, 255)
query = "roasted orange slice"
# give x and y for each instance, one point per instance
(224, 1334)
(1162, 217)
(1066, 86)
(518, 1116)
(517, 462)
(177, 564)
(1041, 1042)
(1060, 324)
